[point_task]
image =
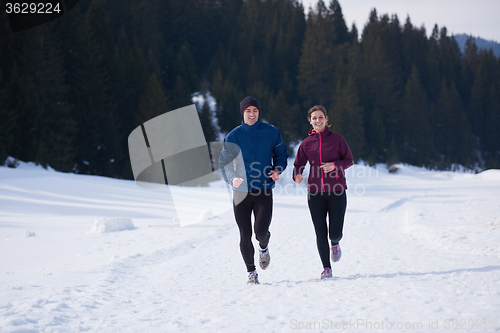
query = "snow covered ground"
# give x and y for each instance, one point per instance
(82, 253)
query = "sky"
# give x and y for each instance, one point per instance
(478, 18)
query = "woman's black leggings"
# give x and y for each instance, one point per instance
(334, 204)
(259, 203)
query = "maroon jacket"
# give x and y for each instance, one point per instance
(324, 147)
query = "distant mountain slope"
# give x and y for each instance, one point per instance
(480, 42)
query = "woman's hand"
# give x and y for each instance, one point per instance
(299, 178)
(328, 167)
(237, 182)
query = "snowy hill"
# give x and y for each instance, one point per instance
(92, 254)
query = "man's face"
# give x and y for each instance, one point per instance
(250, 115)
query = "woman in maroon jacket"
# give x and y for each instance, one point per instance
(328, 155)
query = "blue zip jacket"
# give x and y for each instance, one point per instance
(262, 150)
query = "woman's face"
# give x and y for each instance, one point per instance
(318, 120)
(251, 115)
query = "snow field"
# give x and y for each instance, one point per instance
(420, 248)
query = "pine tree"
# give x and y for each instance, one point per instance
(462, 141)
(56, 124)
(450, 56)
(354, 33)
(316, 71)
(152, 102)
(416, 122)
(490, 135)
(8, 115)
(186, 79)
(250, 42)
(469, 68)
(181, 93)
(287, 33)
(295, 37)
(285, 117)
(378, 77)
(274, 44)
(144, 24)
(126, 99)
(206, 120)
(96, 142)
(347, 117)
(339, 25)
(414, 51)
(215, 28)
(392, 155)
(19, 54)
(432, 76)
(453, 135)
(136, 71)
(478, 96)
(493, 121)
(375, 135)
(21, 97)
(392, 40)
(7, 126)
(482, 103)
(186, 67)
(228, 97)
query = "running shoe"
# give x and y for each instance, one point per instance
(264, 258)
(336, 252)
(327, 273)
(253, 278)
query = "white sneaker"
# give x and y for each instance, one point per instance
(253, 278)
(264, 258)
(336, 253)
(327, 273)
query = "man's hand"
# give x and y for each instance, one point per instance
(274, 174)
(237, 182)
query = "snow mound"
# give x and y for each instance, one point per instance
(14, 163)
(206, 215)
(491, 174)
(28, 233)
(111, 224)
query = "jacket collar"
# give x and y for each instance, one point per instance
(250, 128)
(325, 131)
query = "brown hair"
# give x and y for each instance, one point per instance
(317, 108)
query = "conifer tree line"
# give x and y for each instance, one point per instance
(73, 89)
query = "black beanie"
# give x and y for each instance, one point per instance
(248, 101)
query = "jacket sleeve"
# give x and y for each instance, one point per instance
(280, 155)
(346, 159)
(226, 161)
(300, 162)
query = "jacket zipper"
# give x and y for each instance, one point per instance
(321, 162)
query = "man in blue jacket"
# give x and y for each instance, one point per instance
(264, 156)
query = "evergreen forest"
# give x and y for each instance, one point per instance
(73, 89)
